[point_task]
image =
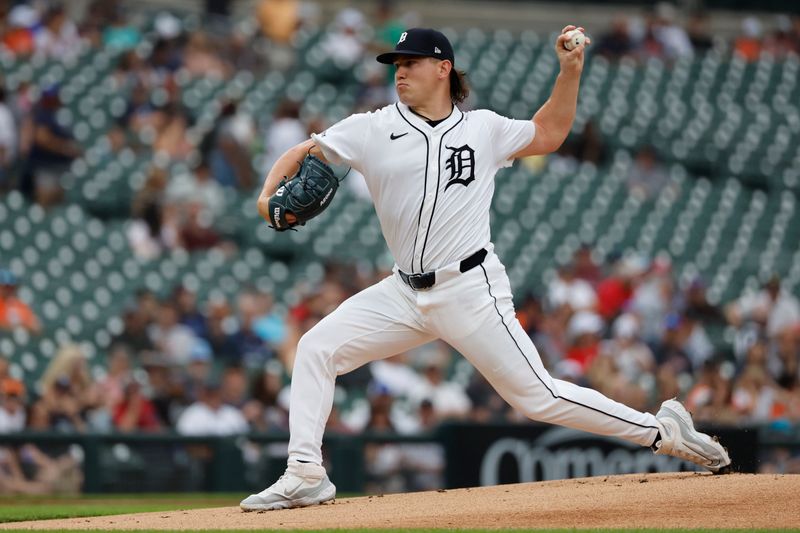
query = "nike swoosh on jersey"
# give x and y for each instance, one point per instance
(392, 136)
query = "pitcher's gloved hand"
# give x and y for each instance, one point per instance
(304, 196)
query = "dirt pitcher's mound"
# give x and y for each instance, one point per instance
(631, 501)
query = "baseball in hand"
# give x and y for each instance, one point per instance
(575, 39)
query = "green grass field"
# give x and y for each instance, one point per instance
(21, 508)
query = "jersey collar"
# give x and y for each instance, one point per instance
(419, 122)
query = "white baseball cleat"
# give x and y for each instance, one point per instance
(680, 439)
(302, 484)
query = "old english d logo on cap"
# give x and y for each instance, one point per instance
(423, 42)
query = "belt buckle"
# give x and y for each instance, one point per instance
(417, 281)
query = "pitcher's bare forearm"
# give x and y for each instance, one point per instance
(554, 119)
(286, 165)
(558, 112)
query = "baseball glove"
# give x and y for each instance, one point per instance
(305, 195)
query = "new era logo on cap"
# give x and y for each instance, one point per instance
(420, 42)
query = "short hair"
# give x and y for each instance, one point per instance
(459, 86)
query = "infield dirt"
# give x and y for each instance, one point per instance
(680, 500)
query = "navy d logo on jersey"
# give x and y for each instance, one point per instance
(461, 165)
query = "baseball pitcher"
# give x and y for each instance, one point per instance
(430, 171)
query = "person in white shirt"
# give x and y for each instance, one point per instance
(210, 416)
(430, 167)
(773, 308)
(8, 140)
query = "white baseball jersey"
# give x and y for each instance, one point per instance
(432, 186)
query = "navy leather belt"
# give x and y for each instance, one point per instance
(426, 280)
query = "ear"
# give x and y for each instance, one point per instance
(445, 67)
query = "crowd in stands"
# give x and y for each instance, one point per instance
(665, 34)
(623, 325)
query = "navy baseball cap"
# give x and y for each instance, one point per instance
(423, 42)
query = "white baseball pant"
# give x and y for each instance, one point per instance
(474, 313)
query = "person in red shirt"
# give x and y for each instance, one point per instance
(614, 292)
(135, 412)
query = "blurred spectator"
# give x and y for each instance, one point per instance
(448, 398)
(9, 139)
(652, 299)
(234, 386)
(22, 19)
(12, 406)
(221, 325)
(614, 292)
(587, 146)
(670, 351)
(388, 26)
(285, 131)
(227, 148)
(188, 310)
(672, 36)
(21, 103)
(695, 303)
(69, 397)
(171, 122)
(425, 463)
(167, 391)
(155, 226)
(650, 46)
(530, 314)
(774, 309)
(53, 150)
(383, 460)
(211, 416)
(487, 405)
(755, 393)
(699, 31)
(617, 42)
(134, 334)
(201, 59)
(748, 44)
(112, 386)
(58, 36)
(278, 19)
(197, 232)
(200, 190)
(647, 176)
(567, 290)
(584, 333)
(248, 349)
(782, 41)
(267, 414)
(173, 340)
(709, 399)
(784, 362)
(135, 412)
(632, 357)
(270, 325)
(585, 267)
(344, 46)
(26, 470)
(119, 34)
(14, 312)
(199, 369)
(166, 58)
